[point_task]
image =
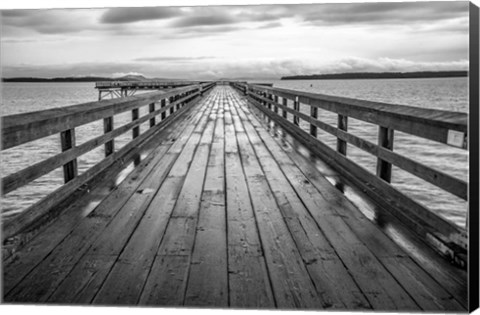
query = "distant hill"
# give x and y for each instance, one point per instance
(83, 79)
(380, 75)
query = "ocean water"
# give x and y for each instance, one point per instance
(447, 94)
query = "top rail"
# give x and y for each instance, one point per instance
(21, 128)
(447, 127)
(163, 107)
(124, 84)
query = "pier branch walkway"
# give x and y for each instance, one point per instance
(219, 212)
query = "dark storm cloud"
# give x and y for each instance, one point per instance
(208, 16)
(45, 21)
(380, 13)
(204, 20)
(130, 15)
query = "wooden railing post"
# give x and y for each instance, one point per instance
(385, 140)
(284, 103)
(107, 127)
(313, 114)
(270, 97)
(275, 107)
(151, 109)
(135, 130)
(342, 125)
(170, 101)
(296, 107)
(67, 140)
(176, 99)
(162, 105)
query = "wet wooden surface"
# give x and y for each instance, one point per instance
(221, 215)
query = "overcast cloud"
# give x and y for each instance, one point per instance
(236, 41)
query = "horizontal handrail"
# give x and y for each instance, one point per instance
(120, 84)
(22, 128)
(446, 127)
(432, 124)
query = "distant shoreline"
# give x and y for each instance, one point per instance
(380, 75)
(66, 79)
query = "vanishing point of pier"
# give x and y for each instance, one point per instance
(226, 205)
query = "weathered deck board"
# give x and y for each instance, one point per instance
(221, 215)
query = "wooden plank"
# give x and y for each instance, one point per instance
(108, 127)
(249, 284)
(291, 284)
(125, 281)
(353, 253)
(135, 130)
(209, 257)
(166, 286)
(338, 290)
(342, 125)
(42, 207)
(423, 122)
(34, 251)
(314, 115)
(384, 248)
(151, 109)
(175, 251)
(385, 140)
(451, 278)
(22, 128)
(67, 140)
(108, 236)
(422, 287)
(78, 241)
(412, 212)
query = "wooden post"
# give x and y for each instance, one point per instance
(385, 140)
(296, 107)
(107, 127)
(135, 130)
(67, 140)
(162, 105)
(177, 98)
(313, 114)
(170, 101)
(151, 109)
(284, 103)
(342, 125)
(275, 108)
(270, 97)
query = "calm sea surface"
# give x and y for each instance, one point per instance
(447, 94)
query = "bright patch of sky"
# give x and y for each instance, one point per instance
(256, 41)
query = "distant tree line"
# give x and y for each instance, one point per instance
(380, 75)
(66, 79)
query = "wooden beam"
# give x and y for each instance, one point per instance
(151, 109)
(314, 115)
(385, 140)
(342, 125)
(296, 108)
(135, 130)
(108, 127)
(67, 139)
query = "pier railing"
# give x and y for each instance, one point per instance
(18, 129)
(449, 128)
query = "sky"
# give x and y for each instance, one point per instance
(256, 41)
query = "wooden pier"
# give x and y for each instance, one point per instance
(221, 212)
